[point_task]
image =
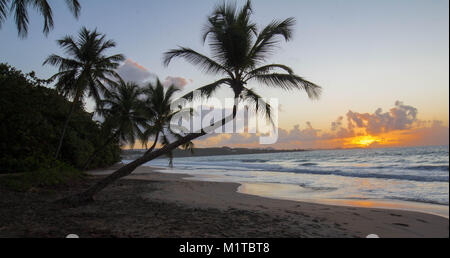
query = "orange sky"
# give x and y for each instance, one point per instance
(400, 126)
(423, 136)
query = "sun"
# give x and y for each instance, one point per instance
(365, 141)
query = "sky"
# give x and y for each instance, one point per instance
(383, 65)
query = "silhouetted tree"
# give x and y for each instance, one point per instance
(85, 70)
(158, 100)
(124, 116)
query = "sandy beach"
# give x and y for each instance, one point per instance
(323, 220)
(152, 204)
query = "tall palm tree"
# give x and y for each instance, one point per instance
(20, 10)
(158, 100)
(85, 70)
(239, 51)
(124, 116)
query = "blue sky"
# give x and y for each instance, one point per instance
(365, 54)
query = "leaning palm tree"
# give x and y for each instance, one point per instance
(85, 70)
(158, 100)
(124, 116)
(20, 10)
(239, 51)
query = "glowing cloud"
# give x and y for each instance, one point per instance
(131, 71)
(399, 126)
(178, 82)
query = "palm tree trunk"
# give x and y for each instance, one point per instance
(95, 153)
(72, 109)
(154, 144)
(66, 124)
(88, 195)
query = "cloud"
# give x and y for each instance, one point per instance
(178, 82)
(131, 71)
(399, 126)
(401, 117)
(430, 133)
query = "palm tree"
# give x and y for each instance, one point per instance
(124, 116)
(20, 10)
(86, 69)
(239, 52)
(158, 102)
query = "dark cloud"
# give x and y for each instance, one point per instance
(401, 117)
(131, 71)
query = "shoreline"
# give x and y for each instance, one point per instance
(426, 208)
(265, 190)
(182, 189)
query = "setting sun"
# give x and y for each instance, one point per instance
(365, 141)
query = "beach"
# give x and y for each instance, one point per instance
(155, 205)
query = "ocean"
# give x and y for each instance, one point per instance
(414, 178)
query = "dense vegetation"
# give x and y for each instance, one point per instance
(31, 121)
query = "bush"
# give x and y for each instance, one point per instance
(58, 175)
(31, 121)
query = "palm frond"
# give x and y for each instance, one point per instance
(289, 82)
(3, 11)
(46, 11)
(205, 63)
(258, 104)
(230, 33)
(269, 68)
(63, 63)
(269, 38)
(20, 10)
(208, 90)
(19, 7)
(70, 46)
(74, 7)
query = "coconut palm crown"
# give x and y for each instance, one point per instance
(123, 112)
(158, 106)
(86, 69)
(124, 116)
(239, 51)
